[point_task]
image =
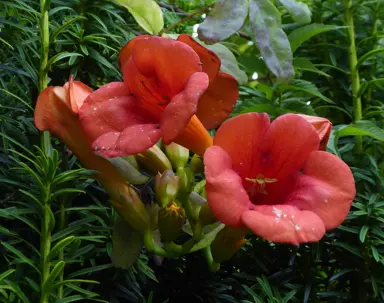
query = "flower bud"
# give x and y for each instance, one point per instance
(187, 179)
(166, 187)
(154, 160)
(132, 160)
(227, 242)
(177, 154)
(323, 127)
(197, 164)
(131, 209)
(128, 171)
(171, 220)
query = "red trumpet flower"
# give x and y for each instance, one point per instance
(272, 178)
(55, 111)
(169, 87)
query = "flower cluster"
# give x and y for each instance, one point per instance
(272, 179)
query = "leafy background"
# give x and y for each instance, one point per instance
(346, 266)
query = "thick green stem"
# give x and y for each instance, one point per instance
(151, 245)
(43, 74)
(354, 71)
(45, 236)
(213, 266)
(45, 248)
(62, 218)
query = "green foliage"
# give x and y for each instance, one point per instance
(53, 189)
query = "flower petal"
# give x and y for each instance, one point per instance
(326, 187)
(209, 60)
(52, 110)
(195, 137)
(78, 92)
(284, 224)
(225, 193)
(216, 104)
(111, 108)
(286, 145)
(169, 62)
(132, 140)
(182, 107)
(126, 51)
(241, 137)
(323, 127)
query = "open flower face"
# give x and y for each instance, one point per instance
(272, 178)
(166, 84)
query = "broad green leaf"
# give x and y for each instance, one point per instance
(307, 87)
(306, 65)
(127, 245)
(270, 38)
(226, 18)
(302, 34)
(363, 128)
(147, 14)
(260, 108)
(298, 10)
(229, 63)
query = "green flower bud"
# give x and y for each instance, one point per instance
(132, 160)
(170, 221)
(131, 209)
(187, 178)
(166, 187)
(128, 171)
(227, 242)
(177, 154)
(154, 160)
(197, 164)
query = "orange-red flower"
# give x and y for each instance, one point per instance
(167, 83)
(271, 178)
(55, 111)
(323, 127)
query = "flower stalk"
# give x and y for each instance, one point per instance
(354, 71)
(47, 220)
(43, 73)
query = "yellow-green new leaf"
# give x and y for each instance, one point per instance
(147, 13)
